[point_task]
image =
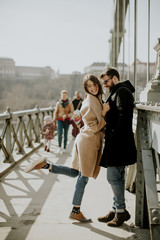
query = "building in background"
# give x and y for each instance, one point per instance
(96, 68)
(142, 67)
(8, 69)
(123, 70)
(141, 75)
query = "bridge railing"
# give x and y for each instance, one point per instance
(148, 168)
(20, 132)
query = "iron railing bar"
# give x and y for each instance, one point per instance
(26, 135)
(20, 149)
(158, 163)
(29, 135)
(4, 131)
(4, 149)
(33, 128)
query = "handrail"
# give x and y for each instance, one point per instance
(6, 114)
(148, 167)
(154, 107)
(21, 130)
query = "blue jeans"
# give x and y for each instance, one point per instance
(116, 178)
(62, 125)
(80, 185)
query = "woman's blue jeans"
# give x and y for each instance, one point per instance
(80, 185)
(62, 126)
(116, 178)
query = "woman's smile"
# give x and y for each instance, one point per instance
(92, 88)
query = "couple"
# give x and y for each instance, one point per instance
(119, 149)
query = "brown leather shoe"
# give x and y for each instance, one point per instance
(37, 164)
(107, 218)
(40, 165)
(119, 219)
(79, 217)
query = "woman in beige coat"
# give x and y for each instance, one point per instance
(88, 145)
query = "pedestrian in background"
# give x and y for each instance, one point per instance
(77, 101)
(77, 123)
(48, 132)
(63, 113)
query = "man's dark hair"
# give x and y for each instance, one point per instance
(111, 72)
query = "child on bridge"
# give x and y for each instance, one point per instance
(48, 132)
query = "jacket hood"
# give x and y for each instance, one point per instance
(126, 84)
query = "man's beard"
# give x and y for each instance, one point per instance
(111, 87)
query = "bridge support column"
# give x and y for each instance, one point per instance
(152, 91)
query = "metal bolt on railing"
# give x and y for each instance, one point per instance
(156, 219)
(155, 211)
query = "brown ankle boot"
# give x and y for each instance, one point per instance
(119, 219)
(107, 218)
(79, 217)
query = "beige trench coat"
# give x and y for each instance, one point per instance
(87, 149)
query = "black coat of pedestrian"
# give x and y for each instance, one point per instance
(119, 149)
(77, 103)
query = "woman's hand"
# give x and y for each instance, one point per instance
(106, 108)
(64, 116)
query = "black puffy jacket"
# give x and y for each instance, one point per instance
(119, 149)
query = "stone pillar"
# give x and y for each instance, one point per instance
(151, 93)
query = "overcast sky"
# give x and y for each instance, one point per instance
(67, 35)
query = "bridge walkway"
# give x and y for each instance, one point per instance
(37, 205)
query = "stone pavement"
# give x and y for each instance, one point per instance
(36, 205)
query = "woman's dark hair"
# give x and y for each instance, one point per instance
(95, 80)
(111, 72)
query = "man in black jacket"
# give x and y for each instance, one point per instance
(119, 150)
(77, 101)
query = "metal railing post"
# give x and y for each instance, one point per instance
(135, 47)
(37, 124)
(20, 135)
(148, 61)
(30, 131)
(8, 138)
